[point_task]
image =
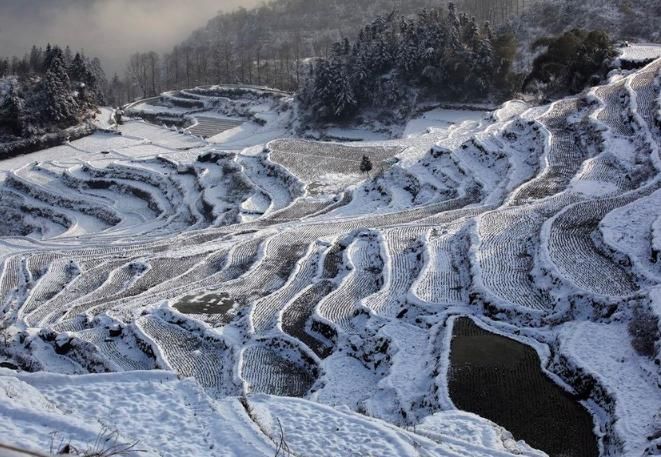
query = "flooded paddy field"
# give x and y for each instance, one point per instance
(501, 379)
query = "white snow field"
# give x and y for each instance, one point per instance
(224, 288)
(170, 417)
(638, 52)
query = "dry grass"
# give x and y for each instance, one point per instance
(106, 444)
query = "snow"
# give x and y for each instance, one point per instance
(605, 352)
(354, 134)
(146, 107)
(595, 188)
(246, 135)
(170, 417)
(104, 119)
(332, 183)
(159, 136)
(57, 153)
(163, 415)
(630, 230)
(34, 418)
(314, 429)
(348, 382)
(640, 52)
(328, 278)
(440, 118)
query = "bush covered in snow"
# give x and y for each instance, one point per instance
(644, 331)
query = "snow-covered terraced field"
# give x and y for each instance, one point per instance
(210, 126)
(259, 264)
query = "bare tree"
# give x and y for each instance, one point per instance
(153, 62)
(137, 72)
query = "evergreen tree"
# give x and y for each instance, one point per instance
(365, 165)
(36, 60)
(454, 38)
(21, 67)
(570, 62)
(48, 57)
(67, 57)
(60, 103)
(345, 100)
(49, 99)
(98, 81)
(12, 110)
(4, 67)
(505, 48)
(78, 68)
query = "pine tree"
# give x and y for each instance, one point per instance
(48, 57)
(78, 68)
(345, 99)
(98, 82)
(454, 37)
(395, 60)
(12, 110)
(36, 60)
(60, 106)
(67, 57)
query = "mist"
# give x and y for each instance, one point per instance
(109, 29)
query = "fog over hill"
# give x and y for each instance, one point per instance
(111, 29)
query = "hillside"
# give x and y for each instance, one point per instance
(270, 45)
(633, 20)
(261, 266)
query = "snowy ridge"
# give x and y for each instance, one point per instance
(225, 427)
(267, 266)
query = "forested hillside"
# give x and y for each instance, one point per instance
(397, 60)
(270, 44)
(47, 91)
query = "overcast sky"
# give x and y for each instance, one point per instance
(108, 29)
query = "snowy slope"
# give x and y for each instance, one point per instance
(170, 417)
(255, 263)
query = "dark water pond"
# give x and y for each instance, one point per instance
(500, 379)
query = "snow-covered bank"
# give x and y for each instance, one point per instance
(162, 415)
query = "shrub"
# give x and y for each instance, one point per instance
(571, 62)
(644, 331)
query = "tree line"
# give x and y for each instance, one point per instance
(398, 61)
(272, 44)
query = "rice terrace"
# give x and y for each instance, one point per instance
(295, 248)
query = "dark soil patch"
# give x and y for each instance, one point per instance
(220, 303)
(297, 315)
(500, 379)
